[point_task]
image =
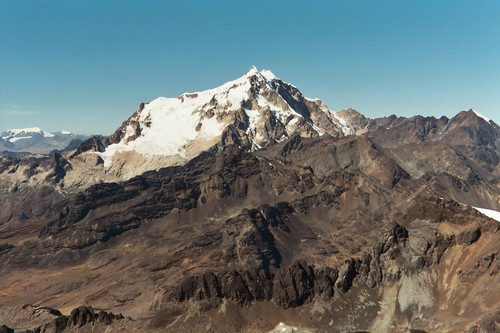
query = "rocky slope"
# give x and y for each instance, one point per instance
(333, 223)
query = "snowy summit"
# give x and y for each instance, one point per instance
(258, 107)
(34, 140)
(13, 135)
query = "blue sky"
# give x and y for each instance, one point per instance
(86, 65)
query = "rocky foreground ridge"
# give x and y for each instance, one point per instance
(329, 222)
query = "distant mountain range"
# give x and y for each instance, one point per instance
(37, 141)
(236, 208)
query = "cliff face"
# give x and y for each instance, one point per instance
(81, 319)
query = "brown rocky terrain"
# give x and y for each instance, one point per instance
(366, 229)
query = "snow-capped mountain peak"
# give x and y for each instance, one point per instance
(25, 130)
(266, 74)
(35, 140)
(252, 111)
(251, 71)
(13, 135)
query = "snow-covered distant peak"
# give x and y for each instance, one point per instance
(15, 131)
(481, 115)
(17, 134)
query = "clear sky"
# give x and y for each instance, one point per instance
(85, 65)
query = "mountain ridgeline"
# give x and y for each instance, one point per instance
(243, 206)
(36, 141)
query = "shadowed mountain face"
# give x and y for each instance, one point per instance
(366, 225)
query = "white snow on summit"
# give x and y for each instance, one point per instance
(168, 125)
(17, 134)
(481, 115)
(173, 125)
(173, 121)
(25, 130)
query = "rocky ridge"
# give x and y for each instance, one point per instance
(77, 321)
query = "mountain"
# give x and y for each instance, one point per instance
(252, 111)
(247, 206)
(36, 141)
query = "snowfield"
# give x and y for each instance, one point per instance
(169, 125)
(493, 214)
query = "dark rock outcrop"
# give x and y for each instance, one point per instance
(92, 144)
(6, 329)
(122, 130)
(295, 285)
(78, 318)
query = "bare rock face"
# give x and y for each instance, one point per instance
(490, 324)
(464, 145)
(93, 144)
(78, 319)
(121, 132)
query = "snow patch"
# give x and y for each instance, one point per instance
(253, 118)
(493, 214)
(47, 134)
(346, 130)
(268, 75)
(481, 115)
(283, 328)
(313, 99)
(320, 131)
(19, 138)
